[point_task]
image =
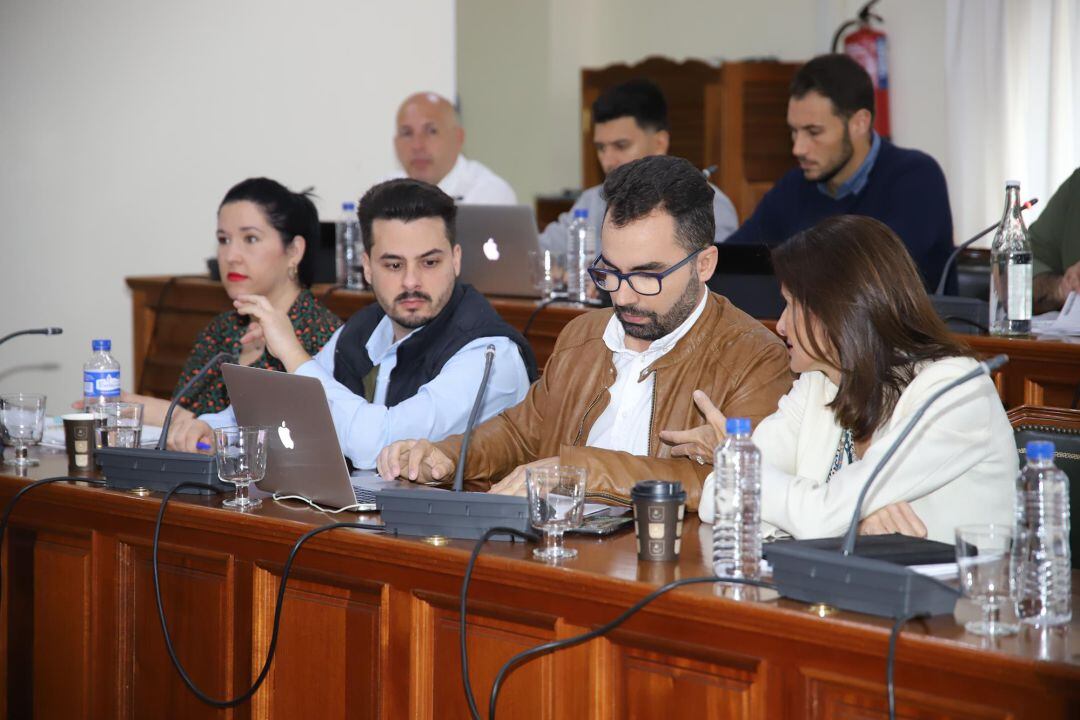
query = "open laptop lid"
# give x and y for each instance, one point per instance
(495, 244)
(303, 454)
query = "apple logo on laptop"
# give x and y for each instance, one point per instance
(285, 435)
(491, 249)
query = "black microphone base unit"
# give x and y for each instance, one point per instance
(429, 512)
(810, 574)
(970, 316)
(159, 470)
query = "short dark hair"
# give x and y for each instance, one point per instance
(839, 78)
(405, 199)
(855, 278)
(667, 183)
(639, 99)
(289, 213)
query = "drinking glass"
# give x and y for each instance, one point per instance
(22, 421)
(241, 460)
(556, 501)
(982, 554)
(548, 273)
(117, 424)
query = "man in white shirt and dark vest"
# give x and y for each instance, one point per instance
(428, 138)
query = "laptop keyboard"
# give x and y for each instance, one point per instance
(363, 494)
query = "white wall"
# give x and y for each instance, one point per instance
(122, 124)
(530, 68)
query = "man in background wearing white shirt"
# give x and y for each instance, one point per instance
(410, 364)
(428, 138)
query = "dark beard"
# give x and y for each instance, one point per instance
(411, 322)
(659, 326)
(847, 150)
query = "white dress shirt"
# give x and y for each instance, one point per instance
(958, 466)
(439, 408)
(624, 424)
(473, 183)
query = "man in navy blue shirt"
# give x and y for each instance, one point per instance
(846, 168)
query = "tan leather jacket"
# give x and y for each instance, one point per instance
(736, 360)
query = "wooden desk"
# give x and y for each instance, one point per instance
(369, 628)
(172, 312)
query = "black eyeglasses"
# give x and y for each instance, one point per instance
(643, 283)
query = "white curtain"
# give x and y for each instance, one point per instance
(1012, 82)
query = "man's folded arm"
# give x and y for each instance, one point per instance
(612, 474)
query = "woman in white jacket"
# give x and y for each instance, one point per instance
(870, 350)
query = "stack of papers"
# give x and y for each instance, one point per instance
(1066, 322)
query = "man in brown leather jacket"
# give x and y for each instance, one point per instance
(619, 376)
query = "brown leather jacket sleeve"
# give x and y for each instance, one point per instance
(757, 394)
(612, 473)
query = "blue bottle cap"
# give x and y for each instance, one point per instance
(737, 426)
(348, 206)
(99, 345)
(1040, 450)
(581, 213)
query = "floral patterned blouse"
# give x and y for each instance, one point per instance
(314, 325)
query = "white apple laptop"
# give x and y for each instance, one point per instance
(303, 456)
(495, 244)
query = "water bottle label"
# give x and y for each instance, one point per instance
(1019, 283)
(101, 383)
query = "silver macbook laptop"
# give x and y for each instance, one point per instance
(495, 244)
(303, 454)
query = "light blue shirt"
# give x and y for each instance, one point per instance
(855, 184)
(438, 409)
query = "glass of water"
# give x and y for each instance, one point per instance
(241, 460)
(556, 501)
(117, 424)
(982, 554)
(22, 422)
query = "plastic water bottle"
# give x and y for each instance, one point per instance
(1010, 270)
(737, 525)
(580, 252)
(101, 375)
(1040, 555)
(349, 270)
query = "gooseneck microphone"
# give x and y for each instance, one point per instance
(33, 331)
(940, 290)
(964, 314)
(435, 512)
(213, 362)
(459, 471)
(807, 570)
(159, 469)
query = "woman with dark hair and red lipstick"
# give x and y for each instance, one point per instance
(263, 230)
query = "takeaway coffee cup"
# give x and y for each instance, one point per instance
(659, 507)
(79, 440)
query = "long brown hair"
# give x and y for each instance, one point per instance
(853, 276)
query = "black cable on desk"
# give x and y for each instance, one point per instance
(890, 662)
(22, 491)
(246, 695)
(550, 647)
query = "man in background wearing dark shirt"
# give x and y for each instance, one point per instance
(846, 168)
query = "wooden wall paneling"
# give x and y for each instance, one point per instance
(588, 669)
(839, 696)
(19, 622)
(328, 648)
(496, 632)
(200, 605)
(654, 677)
(62, 652)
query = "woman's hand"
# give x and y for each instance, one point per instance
(895, 518)
(698, 443)
(274, 327)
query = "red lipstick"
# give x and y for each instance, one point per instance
(236, 277)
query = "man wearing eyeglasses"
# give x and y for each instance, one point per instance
(618, 376)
